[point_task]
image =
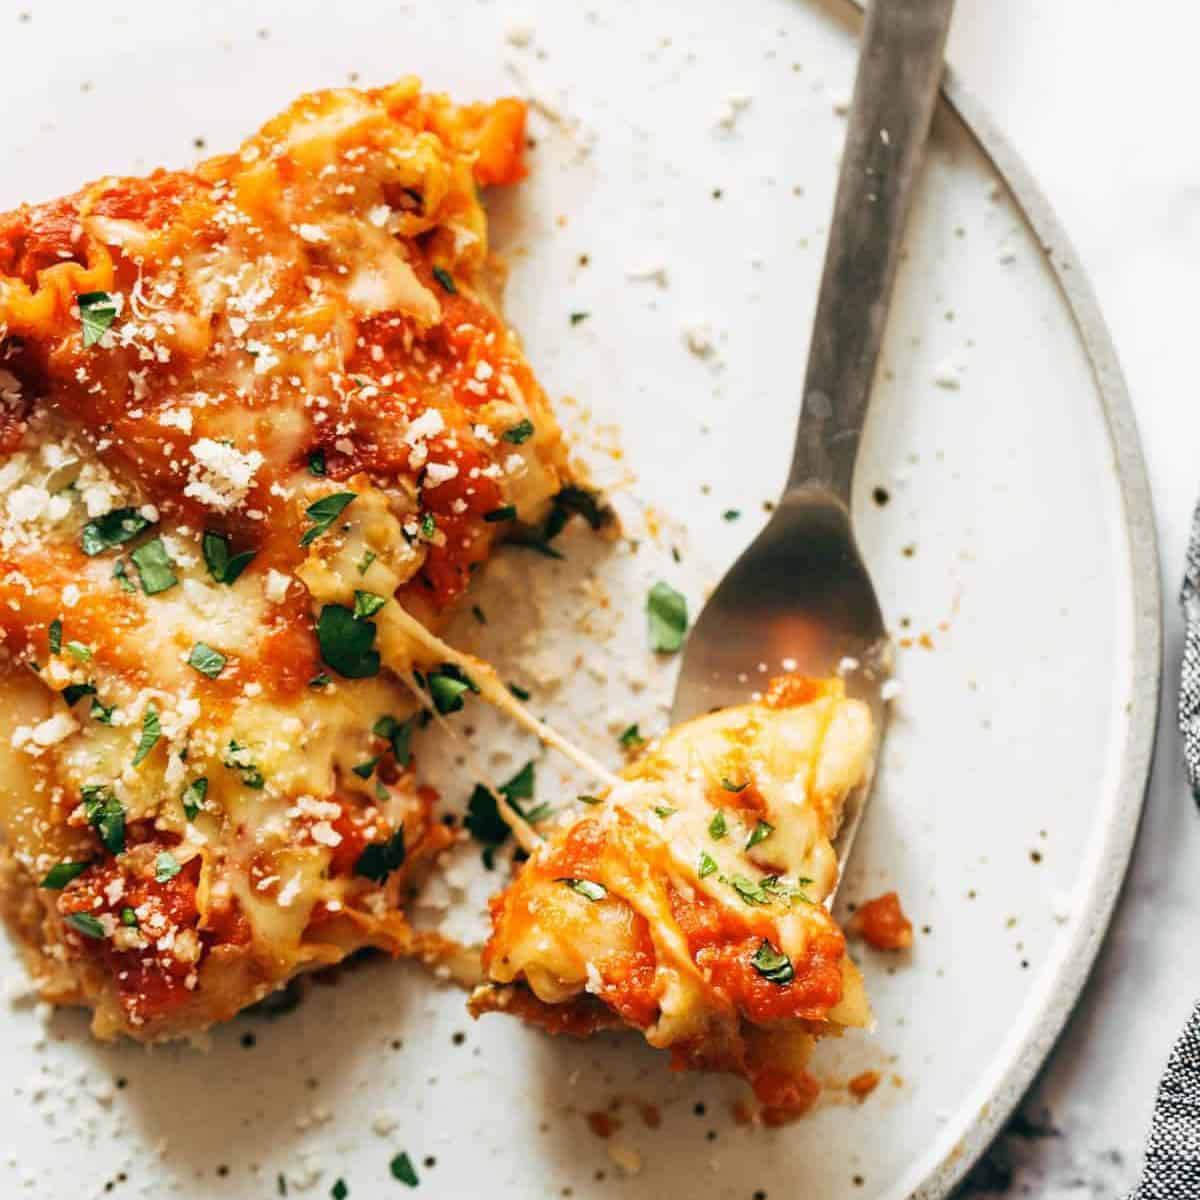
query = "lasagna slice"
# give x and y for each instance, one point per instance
(256, 420)
(687, 901)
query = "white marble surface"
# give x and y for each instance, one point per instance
(1100, 97)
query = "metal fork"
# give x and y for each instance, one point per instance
(799, 598)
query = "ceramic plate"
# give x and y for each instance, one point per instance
(683, 175)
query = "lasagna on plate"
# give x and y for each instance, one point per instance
(259, 423)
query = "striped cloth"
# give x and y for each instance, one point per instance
(1172, 1167)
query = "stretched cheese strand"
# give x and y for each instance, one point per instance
(493, 690)
(527, 837)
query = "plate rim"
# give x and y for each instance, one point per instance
(1079, 955)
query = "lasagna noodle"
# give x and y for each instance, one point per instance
(247, 414)
(689, 901)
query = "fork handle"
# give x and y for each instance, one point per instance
(899, 70)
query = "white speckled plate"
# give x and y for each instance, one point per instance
(1015, 548)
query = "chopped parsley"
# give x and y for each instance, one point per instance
(223, 566)
(367, 604)
(235, 760)
(428, 525)
(666, 614)
(379, 859)
(664, 811)
(86, 924)
(589, 799)
(339, 1191)
(316, 463)
(506, 512)
(114, 529)
(772, 965)
(716, 827)
(731, 514)
(166, 867)
(446, 280)
(750, 892)
(79, 652)
(151, 732)
(365, 769)
(61, 874)
(708, 864)
(97, 312)
(586, 888)
(121, 575)
(369, 556)
(518, 691)
(106, 815)
(730, 786)
(347, 643)
(631, 739)
(154, 567)
(193, 797)
(324, 512)
(447, 685)
(478, 614)
(399, 734)
(483, 819)
(206, 660)
(402, 1169)
(129, 917)
(760, 833)
(570, 500)
(55, 636)
(577, 317)
(324, 679)
(74, 692)
(522, 431)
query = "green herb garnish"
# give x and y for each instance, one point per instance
(55, 636)
(716, 827)
(399, 734)
(772, 965)
(86, 924)
(731, 514)
(97, 311)
(367, 604)
(154, 567)
(761, 832)
(402, 1169)
(79, 652)
(577, 317)
(252, 777)
(506, 512)
(708, 864)
(589, 799)
(364, 770)
(522, 431)
(114, 529)
(166, 867)
(129, 917)
(223, 566)
(324, 512)
(447, 685)
(445, 279)
(631, 739)
(428, 525)
(339, 1191)
(586, 888)
(347, 643)
(369, 556)
(61, 874)
(193, 797)
(316, 463)
(74, 692)
(151, 732)
(121, 575)
(379, 859)
(106, 815)
(666, 614)
(750, 892)
(730, 786)
(206, 660)
(663, 810)
(518, 691)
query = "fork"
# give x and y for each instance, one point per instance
(799, 598)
